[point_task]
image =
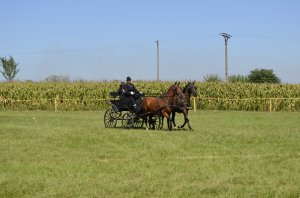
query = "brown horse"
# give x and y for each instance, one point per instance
(164, 104)
(189, 90)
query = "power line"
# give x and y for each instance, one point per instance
(80, 49)
(186, 39)
(267, 37)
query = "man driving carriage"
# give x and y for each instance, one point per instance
(132, 93)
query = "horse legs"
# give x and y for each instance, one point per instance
(186, 119)
(173, 119)
(162, 122)
(145, 120)
(170, 124)
(152, 123)
(169, 120)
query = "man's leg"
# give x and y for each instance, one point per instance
(133, 103)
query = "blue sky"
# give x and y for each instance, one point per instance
(111, 39)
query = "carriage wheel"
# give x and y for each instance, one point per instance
(110, 118)
(118, 115)
(155, 122)
(138, 122)
(127, 120)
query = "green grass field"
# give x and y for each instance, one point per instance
(71, 154)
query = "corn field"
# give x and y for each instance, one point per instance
(93, 95)
(250, 97)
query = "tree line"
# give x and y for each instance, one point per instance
(255, 76)
(10, 70)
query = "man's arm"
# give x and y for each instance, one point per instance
(128, 89)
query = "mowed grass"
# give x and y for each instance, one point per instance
(71, 154)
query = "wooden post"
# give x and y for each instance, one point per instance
(195, 105)
(56, 103)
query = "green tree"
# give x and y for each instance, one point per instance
(9, 68)
(263, 76)
(55, 78)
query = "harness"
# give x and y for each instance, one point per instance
(176, 102)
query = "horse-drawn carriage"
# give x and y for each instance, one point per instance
(153, 109)
(121, 110)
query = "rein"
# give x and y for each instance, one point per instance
(175, 101)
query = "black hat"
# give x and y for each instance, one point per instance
(128, 78)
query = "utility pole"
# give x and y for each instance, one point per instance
(157, 61)
(226, 37)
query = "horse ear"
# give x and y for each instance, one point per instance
(193, 82)
(178, 83)
(175, 82)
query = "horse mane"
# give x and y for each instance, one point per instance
(165, 94)
(186, 88)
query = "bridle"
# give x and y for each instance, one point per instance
(179, 99)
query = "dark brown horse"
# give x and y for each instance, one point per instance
(164, 104)
(189, 90)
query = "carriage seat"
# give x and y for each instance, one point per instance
(114, 94)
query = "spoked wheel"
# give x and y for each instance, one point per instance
(118, 115)
(110, 118)
(138, 122)
(155, 122)
(127, 121)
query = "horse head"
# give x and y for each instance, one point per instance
(177, 94)
(191, 89)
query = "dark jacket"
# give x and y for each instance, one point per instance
(130, 89)
(121, 90)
